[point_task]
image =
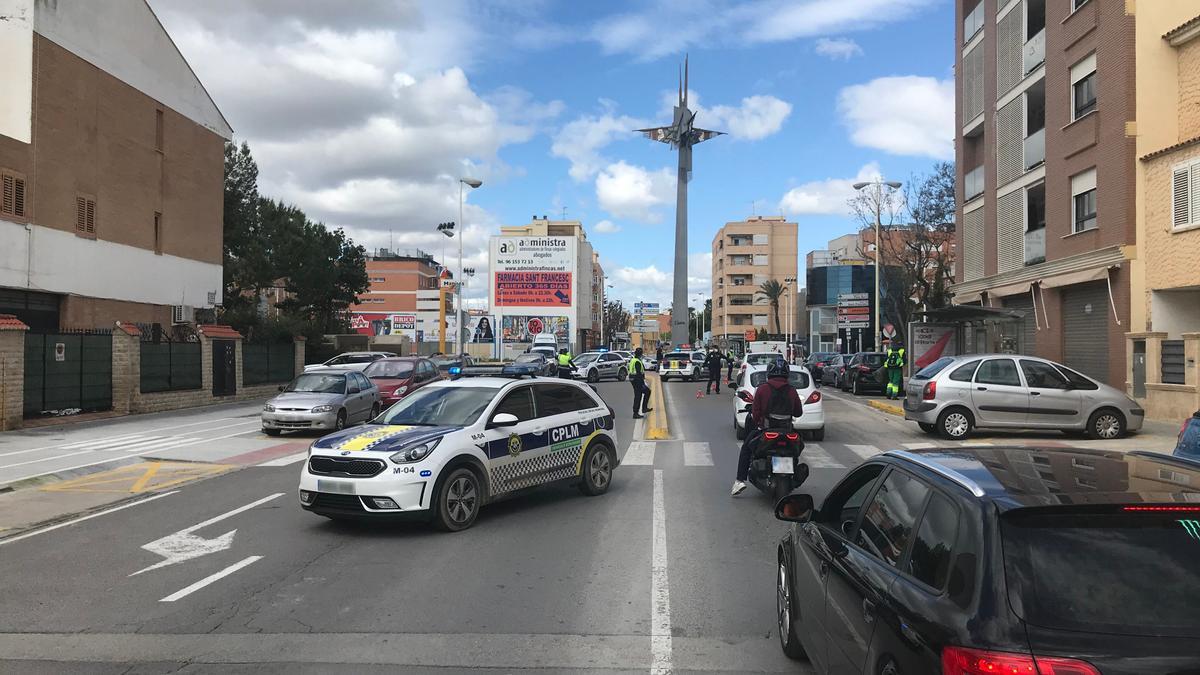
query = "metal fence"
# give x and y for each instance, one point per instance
(1172, 362)
(68, 372)
(171, 366)
(268, 364)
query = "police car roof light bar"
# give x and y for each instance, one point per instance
(513, 370)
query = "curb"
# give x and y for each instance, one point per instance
(886, 407)
(656, 425)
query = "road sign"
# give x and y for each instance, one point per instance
(854, 303)
(853, 296)
(854, 324)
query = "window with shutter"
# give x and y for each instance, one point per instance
(1181, 197)
(12, 195)
(85, 215)
(1194, 193)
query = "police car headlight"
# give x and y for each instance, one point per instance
(415, 453)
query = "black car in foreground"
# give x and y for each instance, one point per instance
(965, 561)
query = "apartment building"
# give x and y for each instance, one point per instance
(403, 297)
(746, 254)
(1163, 344)
(1046, 175)
(543, 280)
(111, 163)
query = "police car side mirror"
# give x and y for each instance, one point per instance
(503, 420)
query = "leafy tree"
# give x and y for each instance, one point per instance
(772, 291)
(616, 318)
(244, 255)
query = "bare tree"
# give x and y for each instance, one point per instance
(915, 242)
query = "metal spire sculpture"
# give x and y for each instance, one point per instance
(681, 135)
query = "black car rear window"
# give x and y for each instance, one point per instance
(797, 378)
(872, 359)
(1105, 570)
(682, 358)
(933, 369)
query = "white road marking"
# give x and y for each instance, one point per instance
(183, 545)
(107, 442)
(660, 595)
(640, 453)
(143, 431)
(697, 454)
(286, 461)
(864, 451)
(920, 446)
(817, 457)
(184, 592)
(87, 517)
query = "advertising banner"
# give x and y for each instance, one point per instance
(929, 342)
(371, 323)
(481, 328)
(533, 271)
(432, 329)
(533, 289)
(523, 328)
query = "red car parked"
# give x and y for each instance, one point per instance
(400, 376)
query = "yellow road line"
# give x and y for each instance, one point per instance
(886, 407)
(141, 482)
(656, 426)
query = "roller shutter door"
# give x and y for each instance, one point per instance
(1027, 330)
(1085, 329)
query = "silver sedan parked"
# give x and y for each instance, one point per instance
(956, 394)
(322, 400)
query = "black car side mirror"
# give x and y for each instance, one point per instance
(281, 387)
(796, 508)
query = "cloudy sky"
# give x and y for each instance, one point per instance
(366, 113)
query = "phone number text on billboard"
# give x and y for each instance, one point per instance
(533, 289)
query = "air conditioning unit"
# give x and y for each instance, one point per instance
(182, 314)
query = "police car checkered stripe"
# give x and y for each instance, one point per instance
(524, 473)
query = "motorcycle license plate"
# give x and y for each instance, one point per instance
(782, 465)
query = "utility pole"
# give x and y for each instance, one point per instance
(879, 185)
(681, 135)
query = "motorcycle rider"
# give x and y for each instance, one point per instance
(775, 396)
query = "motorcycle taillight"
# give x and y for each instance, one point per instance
(793, 436)
(771, 435)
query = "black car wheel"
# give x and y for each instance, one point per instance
(375, 410)
(955, 424)
(458, 500)
(817, 435)
(622, 374)
(1106, 424)
(593, 376)
(854, 387)
(927, 427)
(339, 422)
(597, 470)
(784, 604)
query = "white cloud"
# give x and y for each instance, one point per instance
(707, 24)
(632, 192)
(650, 284)
(581, 140)
(917, 119)
(827, 196)
(606, 227)
(838, 48)
(756, 118)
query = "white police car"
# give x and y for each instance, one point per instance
(456, 445)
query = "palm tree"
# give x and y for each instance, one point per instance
(773, 291)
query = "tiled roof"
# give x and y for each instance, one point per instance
(1172, 148)
(219, 332)
(1179, 29)
(10, 322)
(130, 329)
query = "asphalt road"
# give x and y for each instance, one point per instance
(664, 573)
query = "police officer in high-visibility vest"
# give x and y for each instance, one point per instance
(893, 365)
(565, 364)
(641, 391)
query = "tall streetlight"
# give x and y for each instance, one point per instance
(879, 185)
(471, 183)
(448, 230)
(700, 319)
(603, 309)
(787, 333)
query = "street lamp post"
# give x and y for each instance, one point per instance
(790, 330)
(879, 185)
(458, 309)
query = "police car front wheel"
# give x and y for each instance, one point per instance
(458, 501)
(597, 470)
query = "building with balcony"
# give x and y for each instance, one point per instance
(745, 255)
(1163, 345)
(111, 167)
(403, 298)
(1045, 154)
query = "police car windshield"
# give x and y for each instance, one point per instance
(438, 406)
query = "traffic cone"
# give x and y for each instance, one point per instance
(699, 393)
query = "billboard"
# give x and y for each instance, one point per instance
(481, 328)
(533, 271)
(929, 342)
(523, 328)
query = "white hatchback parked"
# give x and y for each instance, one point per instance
(811, 424)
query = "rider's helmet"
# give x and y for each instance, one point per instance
(778, 368)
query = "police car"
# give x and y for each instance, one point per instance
(683, 364)
(455, 445)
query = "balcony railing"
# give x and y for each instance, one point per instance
(1035, 246)
(1035, 149)
(973, 183)
(1035, 51)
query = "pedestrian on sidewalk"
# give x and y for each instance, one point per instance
(713, 363)
(893, 365)
(641, 391)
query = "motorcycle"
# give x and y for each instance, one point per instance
(775, 466)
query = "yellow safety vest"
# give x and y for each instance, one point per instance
(564, 359)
